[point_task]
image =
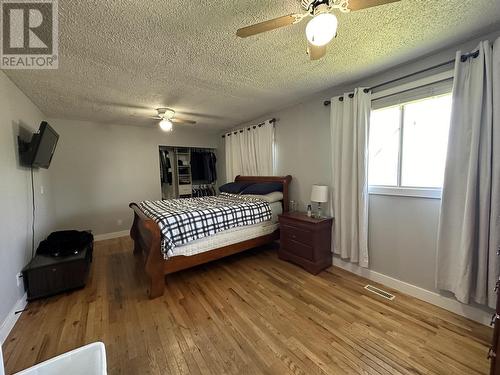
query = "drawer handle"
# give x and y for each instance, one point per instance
(494, 319)
(491, 353)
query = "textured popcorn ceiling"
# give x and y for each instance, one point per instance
(120, 59)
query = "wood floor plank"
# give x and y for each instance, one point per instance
(247, 314)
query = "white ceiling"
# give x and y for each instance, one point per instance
(121, 59)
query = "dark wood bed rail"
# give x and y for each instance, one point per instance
(147, 240)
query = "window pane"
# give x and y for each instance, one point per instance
(384, 147)
(425, 142)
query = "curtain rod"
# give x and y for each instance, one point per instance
(271, 121)
(463, 58)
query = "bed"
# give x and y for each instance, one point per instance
(147, 237)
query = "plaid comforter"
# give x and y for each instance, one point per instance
(185, 220)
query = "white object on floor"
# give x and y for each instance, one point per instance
(87, 360)
(2, 369)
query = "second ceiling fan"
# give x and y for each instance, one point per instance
(321, 29)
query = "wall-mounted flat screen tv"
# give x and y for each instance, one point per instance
(38, 153)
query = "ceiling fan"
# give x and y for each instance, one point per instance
(321, 29)
(167, 119)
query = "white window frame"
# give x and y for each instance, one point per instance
(403, 191)
(408, 191)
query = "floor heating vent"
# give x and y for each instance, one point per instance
(380, 292)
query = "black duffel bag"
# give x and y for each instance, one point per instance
(65, 242)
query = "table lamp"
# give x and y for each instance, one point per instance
(319, 194)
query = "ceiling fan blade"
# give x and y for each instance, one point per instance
(182, 121)
(363, 4)
(315, 52)
(262, 27)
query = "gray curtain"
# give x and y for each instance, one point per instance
(469, 226)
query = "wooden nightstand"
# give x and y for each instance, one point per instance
(306, 241)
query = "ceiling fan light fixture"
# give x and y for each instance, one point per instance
(167, 113)
(321, 29)
(166, 125)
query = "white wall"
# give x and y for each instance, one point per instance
(18, 116)
(98, 169)
(403, 230)
(402, 238)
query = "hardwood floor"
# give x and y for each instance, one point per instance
(247, 314)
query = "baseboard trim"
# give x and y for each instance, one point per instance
(109, 236)
(450, 304)
(12, 318)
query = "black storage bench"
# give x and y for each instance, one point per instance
(47, 275)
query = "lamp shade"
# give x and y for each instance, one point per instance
(319, 194)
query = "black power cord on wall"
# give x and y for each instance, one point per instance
(33, 215)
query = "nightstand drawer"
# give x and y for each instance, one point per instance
(297, 234)
(297, 248)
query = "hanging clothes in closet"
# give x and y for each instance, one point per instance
(203, 166)
(165, 170)
(203, 191)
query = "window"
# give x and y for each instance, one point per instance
(408, 144)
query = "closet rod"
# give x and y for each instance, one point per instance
(463, 58)
(272, 121)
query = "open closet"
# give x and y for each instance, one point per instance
(187, 172)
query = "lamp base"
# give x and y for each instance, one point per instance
(319, 213)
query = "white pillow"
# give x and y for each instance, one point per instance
(275, 196)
